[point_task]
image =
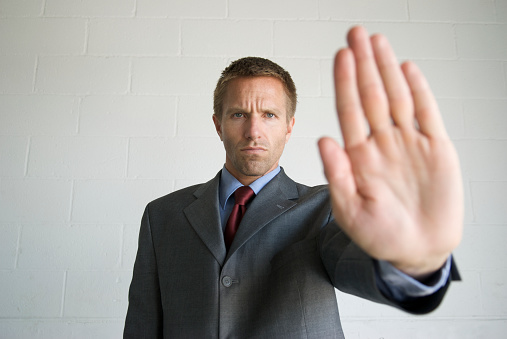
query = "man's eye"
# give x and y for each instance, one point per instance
(238, 115)
(270, 115)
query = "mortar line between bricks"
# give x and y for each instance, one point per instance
(18, 244)
(71, 200)
(44, 7)
(34, 79)
(180, 38)
(64, 288)
(27, 154)
(455, 39)
(134, 14)
(122, 244)
(127, 159)
(129, 87)
(87, 36)
(78, 123)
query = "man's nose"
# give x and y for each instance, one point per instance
(253, 127)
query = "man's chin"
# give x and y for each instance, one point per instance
(255, 171)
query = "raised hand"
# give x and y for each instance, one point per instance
(396, 187)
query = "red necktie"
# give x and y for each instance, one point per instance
(241, 197)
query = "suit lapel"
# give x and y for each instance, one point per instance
(204, 217)
(276, 198)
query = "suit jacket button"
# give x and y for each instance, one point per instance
(227, 281)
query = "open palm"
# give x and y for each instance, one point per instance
(396, 186)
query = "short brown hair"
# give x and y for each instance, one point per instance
(254, 67)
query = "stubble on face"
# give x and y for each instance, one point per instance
(252, 159)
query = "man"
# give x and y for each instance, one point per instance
(383, 230)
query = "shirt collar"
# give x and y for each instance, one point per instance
(229, 184)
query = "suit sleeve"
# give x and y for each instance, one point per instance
(352, 271)
(144, 315)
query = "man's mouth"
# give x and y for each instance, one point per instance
(253, 149)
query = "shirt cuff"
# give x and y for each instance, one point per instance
(401, 286)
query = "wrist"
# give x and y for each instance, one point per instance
(422, 271)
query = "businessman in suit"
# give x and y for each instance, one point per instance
(383, 229)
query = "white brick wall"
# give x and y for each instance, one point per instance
(106, 104)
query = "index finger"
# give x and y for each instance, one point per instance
(348, 102)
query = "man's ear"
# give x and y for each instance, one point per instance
(218, 126)
(290, 126)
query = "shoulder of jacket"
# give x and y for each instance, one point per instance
(176, 196)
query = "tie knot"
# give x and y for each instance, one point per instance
(242, 195)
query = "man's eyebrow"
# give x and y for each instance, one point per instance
(236, 109)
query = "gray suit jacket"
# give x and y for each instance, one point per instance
(277, 280)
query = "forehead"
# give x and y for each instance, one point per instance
(244, 90)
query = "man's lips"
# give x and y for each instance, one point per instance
(253, 149)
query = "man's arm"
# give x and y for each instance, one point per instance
(396, 186)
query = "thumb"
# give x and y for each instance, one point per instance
(338, 172)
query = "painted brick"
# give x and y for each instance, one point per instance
(114, 201)
(455, 305)
(474, 154)
(452, 114)
(481, 41)
(501, 11)
(469, 211)
(89, 8)
(471, 94)
(183, 183)
(494, 291)
(482, 248)
(424, 327)
(316, 38)
(305, 73)
(51, 247)
(469, 79)
(128, 116)
(58, 75)
(78, 157)
(31, 293)
(21, 8)
(17, 74)
(42, 36)
(363, 10)
(226, 38)
(302, 148)
(326, 75)
(266, 9)
(9, 234)
(418, 40)
(157, 158)
(187, 76)
(13, 150)
(182, 8)
(35, 115)
(97, 293)
(133, 37)
(34, 200)
(195, 116)
(452, 10)
(489, 201)
(316, 117)
(129, 248)
(352, 306)
(37, 328)
(485, 118)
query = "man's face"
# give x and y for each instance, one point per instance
(254, 126)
